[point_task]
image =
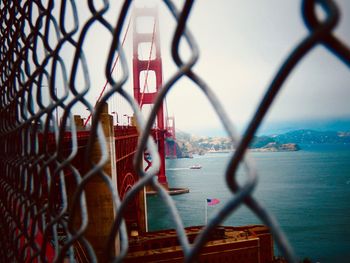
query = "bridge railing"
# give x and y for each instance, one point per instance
(39, 83)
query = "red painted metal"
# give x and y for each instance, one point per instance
(26, 250)
(155, 65)
(125, 138)
(125, 145)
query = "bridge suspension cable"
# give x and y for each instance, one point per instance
(112, 70)
(145, 85)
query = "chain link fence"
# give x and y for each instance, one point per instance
(39, 84)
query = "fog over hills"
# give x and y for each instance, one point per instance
(339, 124)
(279, 127)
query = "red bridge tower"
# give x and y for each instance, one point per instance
(152, 65)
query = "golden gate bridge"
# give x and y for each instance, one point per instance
(123, 140)
(164, 129)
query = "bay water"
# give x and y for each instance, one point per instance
(308, 191)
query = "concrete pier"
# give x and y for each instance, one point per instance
(99, 201)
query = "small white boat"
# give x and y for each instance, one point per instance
(196, 166)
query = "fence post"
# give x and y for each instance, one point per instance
(99, 200)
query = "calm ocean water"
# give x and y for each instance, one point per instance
(308, 192)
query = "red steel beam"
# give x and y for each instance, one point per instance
(155, 65)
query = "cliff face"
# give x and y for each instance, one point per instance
(184, 149)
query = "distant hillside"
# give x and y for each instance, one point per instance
(313, 137)
(327, 124)
(187, 145)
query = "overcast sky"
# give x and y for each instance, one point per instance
(242, 45)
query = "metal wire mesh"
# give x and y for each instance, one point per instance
(37, 82)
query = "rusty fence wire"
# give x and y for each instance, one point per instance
(38, 81)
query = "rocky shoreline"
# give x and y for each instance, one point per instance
(276, 147)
